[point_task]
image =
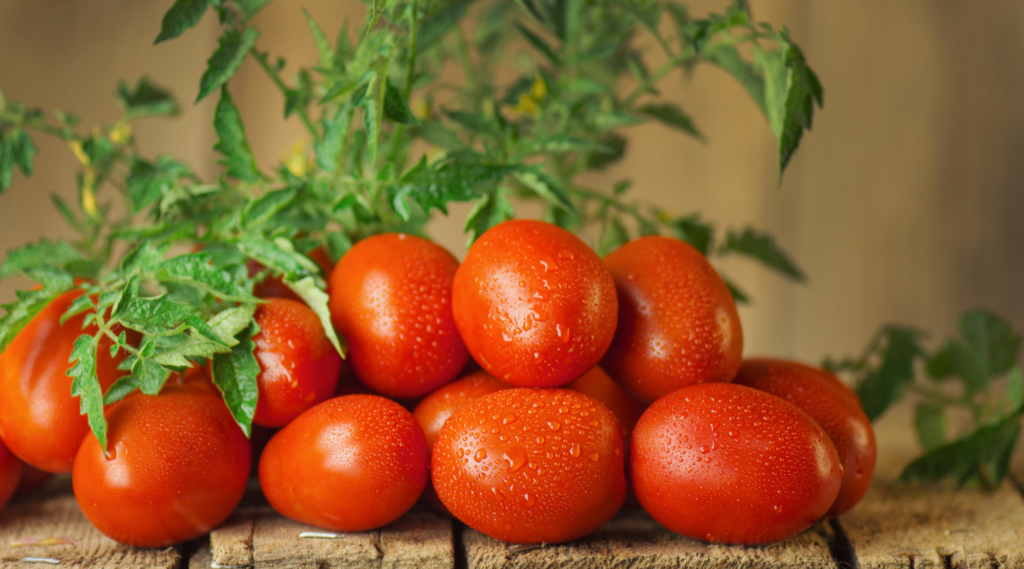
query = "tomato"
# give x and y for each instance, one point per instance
(726, 463)
(274, 287)
(678, 324)
(32, 479)
(10, 474)
(391, 299)
(40, 421)
(298, 365)
(833, 406)
(177, 467)
(534, 304)
(434, 410)
(351, 463)
(531, 465)
(598, 385)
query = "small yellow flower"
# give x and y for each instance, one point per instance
(539, 91)
(527, 105)
(420, 108)
(121, 133)
(88, 193)
(296, 159)
(76, 147)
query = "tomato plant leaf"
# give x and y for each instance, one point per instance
(803, 91)
(323, 45)
(40, 254)
(227, 324)
(146, 99)
(373, 102)
(930, 424)
(330, 144)
(547, 187)
(697, 233)
(436, 25)
(280, 256)
(396, 108)
(249, 8)
(539, 44)
(147, 376)
(235, 375)
(565, 143)
(260, 210)
(19, 313)
(16, 151)
(1015, 388)
(990, 348)
(599, 160)
(432, 187)
(762, 247)
(670, 115)
(232, 143)
(234, 46)
(613, 236)
(882, 386)
(728, 58)
(197, 271)
(85, 384)
(317, 300)
(487, 212)
(738, 296)
(144, 258)
(183, 15)
(158, 316)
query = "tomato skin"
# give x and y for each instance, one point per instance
(40, 421)
(596, 383)
(726, 463)
(391, 299)
(10, 474)
(534, 304)
(179, 467)
(833, 406)
(436, 408)
(32, 479)
(531, 465)
(351, 463)
(678, 323)
(298, 365)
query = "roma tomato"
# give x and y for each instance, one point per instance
(436, 408)
(531, 465)
(298, 365)
(534, 304)
(10, 474)
(351, 463)
(726, 463)
(391, 299)
(177, 467)
(678, 324)
(833, 406)
(32, 479)
(39, 419)
(598, 385)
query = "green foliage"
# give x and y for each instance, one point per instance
(235, 374)
(232, 144)
(184, 14)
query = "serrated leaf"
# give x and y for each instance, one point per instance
(158, 316)
(233, 48)
(183, 15)
(762, 247)
(144, 258)
(548, 188)
(605, 121)
(40, 254)
(434, 187)
(249, 8)
(990, 348)
(487, 212)
(6, 164)
(884, 386)
(197, 271)
(942, 363)
(260, 210)
(672, 116)
(227, 324)
(85, 384)
(803, 91)
(235, 374)
(396, 109)
(373, 103)
(23, 149)
(333, 139)
(1015, 388)
(337, 244)
(729, 59)
(613, 236)
(930, 425)
(695, 232)
(232, 144)
(323, 45)
(436, 25)
(280, 257)
(617, 143)
(317, 300)
(564, 143)
(19, 313)
(539, 44)
(65, 211)
(146, 99)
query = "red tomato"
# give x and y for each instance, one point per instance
(678, 324)
(274, 287)
(298, 365)
(178, 465)
(833, 406)
(39, 419)
(10, 474)
(391, 299)
(534, 304)
(726, 463)
(531, 465)
(351, 463)
(598, 385)
(435, 408)
(31, 479)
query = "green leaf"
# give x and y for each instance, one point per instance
(40, 254)
(197, 271)
(930, 424)
(436, 25)
(16, 150)
(280, 257)
(145, 100)
(158, 316)
(232, 143)
(613, 236)
(85, 384)
(337, 244)
(729, 59)
(539, 44)
(396, 109)
(249, 8)
(323, 45)
(434, 187)
(882, 387)
(738, 296)
(803, 90)
(548, 188)
(333, 140)
(261, 210)
(487, 212)
(317, 299)
(184, 14)
(234, 46)
(672, 116)
(695, 232)
(235, 374)
(561, 143)
(19, 313)
(373, 103)
(227, 324)
(617, 143)
(1015, 388)
(144, 258)
(983, 455)
(65, 211)
(605, 121)
(147, 376)
(762, 247)
(990, 349)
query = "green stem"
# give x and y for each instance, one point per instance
(653, 79)
(36, 124)
(467, 64)
(276, 77)
(410, 75)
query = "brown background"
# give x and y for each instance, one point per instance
(902, 204)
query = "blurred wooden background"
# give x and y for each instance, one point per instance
(902, 204)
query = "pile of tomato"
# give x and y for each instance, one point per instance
(547, 387)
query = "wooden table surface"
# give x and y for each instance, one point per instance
(911, 527)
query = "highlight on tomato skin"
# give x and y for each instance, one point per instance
(726, 463)
(531, 465)
(677, 320)
(836, 409)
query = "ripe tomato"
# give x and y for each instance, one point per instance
(391, 299)
(351, 463)
(531, 465)
(178, 464)
(298, 365)
(678, 324)
(598, 385)
(274, 287)
(10, 474)
(726, 463)
(436, 408)
(31, 479)
(534, 304)
(833, 406)
(39, 419)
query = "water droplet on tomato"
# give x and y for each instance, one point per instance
(538, 357)
(594, 457)
(703, 449)
(530, 500)
(540, 440)
(480, 455)
(574, 450)
(566, 254)
(508, 419)
(516, 458)
(555, 425)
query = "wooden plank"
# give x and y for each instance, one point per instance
(937, 526)
(56, 516)
(632, 539)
